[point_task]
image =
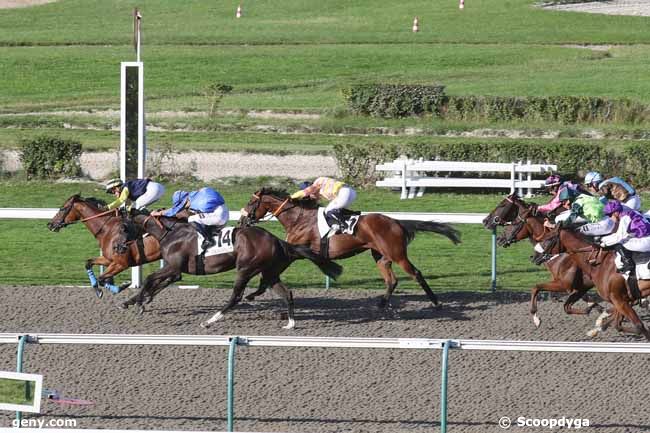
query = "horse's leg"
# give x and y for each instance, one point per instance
(103, 261)
(243, 277)
(153, 284)
(602, 322)
(285, 293)
(623, 307)
(415, 273)
(106, 279)
(388, 275)
(553, 286)
(260, 290)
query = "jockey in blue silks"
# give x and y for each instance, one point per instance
(209, 212)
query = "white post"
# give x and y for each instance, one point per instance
(520, 177)
(404, 191)
(529, 191)
(512, 177)
(137, 32)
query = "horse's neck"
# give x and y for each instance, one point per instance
(94, 225)
(535, 228)
(297, 218)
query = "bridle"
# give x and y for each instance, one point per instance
(257, 201)
(66, 211)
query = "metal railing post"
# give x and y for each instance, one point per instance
(19, 368)
(494, 259)
(443, 386)
(327, 282)
(231, 382)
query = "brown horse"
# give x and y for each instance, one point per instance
(386, 238)
(599, 266)
(254, 251)
(105, 227)
(567, 276)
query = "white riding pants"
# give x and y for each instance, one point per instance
(600, 228)
(565, 215)
(152, 194)
(218, 217)
(344, 198)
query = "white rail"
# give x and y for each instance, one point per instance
(340, 342)
(459, 218)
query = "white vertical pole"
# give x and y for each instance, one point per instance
(529, 192)
(512, 178)
(404, 192)
(520, 176)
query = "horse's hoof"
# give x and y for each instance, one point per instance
(536, 320)
(249, 298)
(98, 292)
(593, 332)
(124, 306)
(140, 309)
(204, 325)
(290, 325)
(438, 306)
(125, 285)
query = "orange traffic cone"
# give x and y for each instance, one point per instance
(238, 14)
(462, 4)
(416, 25)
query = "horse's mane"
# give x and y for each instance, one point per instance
(282, 194)
(96, 202)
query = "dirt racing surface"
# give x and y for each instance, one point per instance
(323, 389)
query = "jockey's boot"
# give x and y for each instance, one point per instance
(335, 219)
(627, 262)
(208, 240)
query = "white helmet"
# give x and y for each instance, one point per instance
(113, 183)
(593, 177)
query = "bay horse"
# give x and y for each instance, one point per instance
(523, 223)
(610, 284)
(255, 251)
(386, 238)
(105, 226)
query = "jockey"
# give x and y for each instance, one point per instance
(338, 193)
(618, 189)
(592, 180)
(633, 233)
(210, 213)
(554, 184)
(139, 193)
(586, 210)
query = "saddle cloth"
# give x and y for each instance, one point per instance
(223, 243)
(641, 261)
(325, 230)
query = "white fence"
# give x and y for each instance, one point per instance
(328, 342)
(409, 175)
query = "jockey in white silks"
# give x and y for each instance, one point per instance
(586, 210)
(618, 189)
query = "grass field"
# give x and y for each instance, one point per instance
(13, 391)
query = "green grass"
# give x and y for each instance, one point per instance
(12, 391)
(33, 255)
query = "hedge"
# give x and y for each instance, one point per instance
(383, 100)
(357, 162)
(51, 157)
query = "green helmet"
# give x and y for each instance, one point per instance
(113, 183)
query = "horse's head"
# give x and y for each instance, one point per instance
(263, 202)
(71, 211)
(66, 215)
(505, 212)
(518, 230)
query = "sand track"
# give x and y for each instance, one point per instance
(323, 390)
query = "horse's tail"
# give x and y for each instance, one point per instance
(411, 227)
(328, 267)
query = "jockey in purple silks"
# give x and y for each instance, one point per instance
(633, 233)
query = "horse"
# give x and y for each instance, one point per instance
(386, 238)
(254, 251)
(524, 224)
(600, 267)
(105, 226)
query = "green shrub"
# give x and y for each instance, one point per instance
(51, 157)
(394, 100)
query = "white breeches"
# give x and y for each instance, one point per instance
(566, 214)
(343, 199)
(218, 217)
(641, 245)
(600, 228)
(152, 194)
(633, 202)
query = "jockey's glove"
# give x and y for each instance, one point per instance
(299, 194)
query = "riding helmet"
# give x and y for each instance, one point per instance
(113, 183)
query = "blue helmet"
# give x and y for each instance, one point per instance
(178, 202)
(593, 178)
(304, 184)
